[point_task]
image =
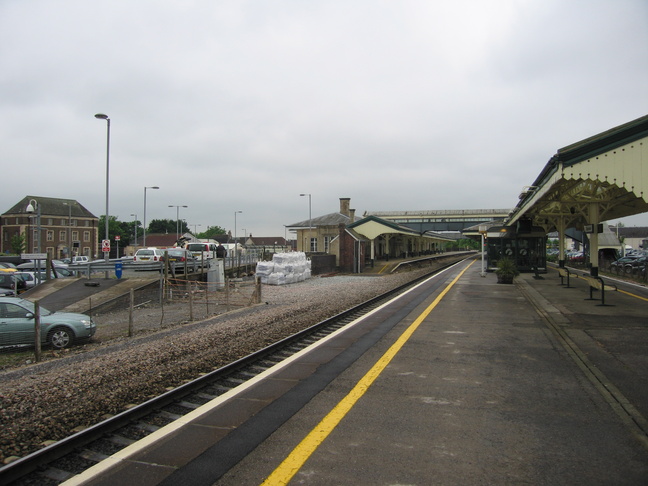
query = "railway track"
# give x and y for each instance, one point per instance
(66, 458)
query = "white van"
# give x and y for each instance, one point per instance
(202, 251)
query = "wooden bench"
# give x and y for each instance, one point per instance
(597, 283)
(564, 273)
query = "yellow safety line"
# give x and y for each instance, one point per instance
(632, 295)
(300, 454)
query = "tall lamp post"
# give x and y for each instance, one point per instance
(310, 219)
(177, 219)
(31, 207)
(101, 116)
(134, 229)
(144, 223)
(69, 231)
(235, 213)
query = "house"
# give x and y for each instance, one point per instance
(59, 227)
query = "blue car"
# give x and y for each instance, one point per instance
(58, 329)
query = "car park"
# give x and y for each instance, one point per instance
(148, 255)
(58, 329)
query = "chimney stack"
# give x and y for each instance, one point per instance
(352, 215)
(345, 203)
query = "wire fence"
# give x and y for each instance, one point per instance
(173, 302)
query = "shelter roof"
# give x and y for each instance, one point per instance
(605, 172)
(372, 226)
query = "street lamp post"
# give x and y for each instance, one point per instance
(196, 228)
(101, 116)
(310, 219)
(33, 205)
(177, 218)
(144, 223)
(134, 229)
(69, 231)
(235, 213)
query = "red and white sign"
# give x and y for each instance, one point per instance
(105, 246)
(117, 237)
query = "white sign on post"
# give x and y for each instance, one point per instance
(105, 246)
(33, 256)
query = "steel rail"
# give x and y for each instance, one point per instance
(38, 459)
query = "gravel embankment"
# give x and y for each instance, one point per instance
(47, 401)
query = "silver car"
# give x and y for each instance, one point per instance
(58, 329)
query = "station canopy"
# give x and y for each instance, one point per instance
(601, 178)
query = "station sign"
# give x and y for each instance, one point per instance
(33, 256)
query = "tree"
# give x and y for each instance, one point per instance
(114, 228)
(18, 243)
(211, 232)
(165, 226)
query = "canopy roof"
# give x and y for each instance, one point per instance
(608, 171)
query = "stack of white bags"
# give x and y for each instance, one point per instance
(285, 268)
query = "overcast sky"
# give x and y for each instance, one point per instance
(242, 105)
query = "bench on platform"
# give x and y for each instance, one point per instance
(564, 273)
(597, 283)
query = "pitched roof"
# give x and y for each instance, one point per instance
(52, 206)
(160, 240)
(331, 219)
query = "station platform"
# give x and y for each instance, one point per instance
(471, 383)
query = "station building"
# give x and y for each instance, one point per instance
(64, 227)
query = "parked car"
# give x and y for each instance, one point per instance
(148, 255)
(181, 257)
(61, 271)
(58, 329)
(7, 292)
(202, 251)
(621, 265)
(12, 281)
(80, 259)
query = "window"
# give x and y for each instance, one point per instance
(50, 235)
(62, 235)
(327, 244)
(86, 236)
(75, 236)
(313, 244)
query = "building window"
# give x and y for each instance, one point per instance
(313, 244)
(327, 244)
(75, 236)
(50, 235)
(62, 235)
(86, 236)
